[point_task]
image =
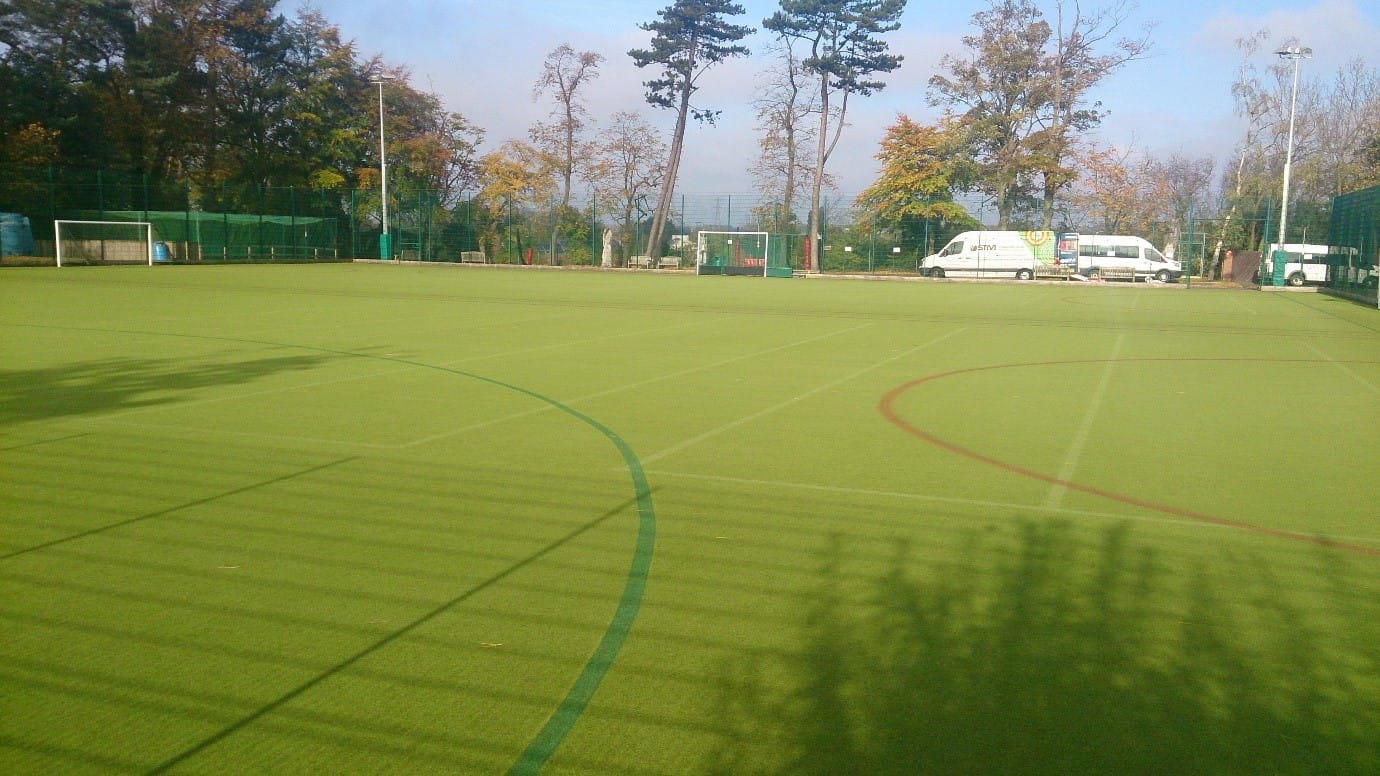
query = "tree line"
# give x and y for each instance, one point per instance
(222, 93)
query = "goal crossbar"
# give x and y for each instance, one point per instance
(732, 253)
(145, 227)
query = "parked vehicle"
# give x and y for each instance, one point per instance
(992, 254)
(1116, 255)
(1305, 264)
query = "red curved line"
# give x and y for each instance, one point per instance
(887, 408)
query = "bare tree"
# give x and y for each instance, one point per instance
(783, 106)
(1086, 52)
(563, 73)
(1348, 116)
(1251, 105)
(630, 161)
(1115, 189)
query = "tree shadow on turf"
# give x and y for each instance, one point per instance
(124, 383)
(1064, 658)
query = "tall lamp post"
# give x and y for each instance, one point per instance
(1280, 256)
(385, 248)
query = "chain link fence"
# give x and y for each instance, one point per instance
(248, 223)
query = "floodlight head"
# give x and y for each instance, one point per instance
(382, 78)
(1295, 52)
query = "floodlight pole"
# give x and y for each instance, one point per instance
(385, 249)
(1295, 53)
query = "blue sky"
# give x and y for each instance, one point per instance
(482, 58)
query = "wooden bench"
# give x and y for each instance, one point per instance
(473, 257)
(645, 262)
(668, 262)
(1117, 273)
(1047, 271)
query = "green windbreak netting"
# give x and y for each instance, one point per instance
(1355, 237)
(199, 236)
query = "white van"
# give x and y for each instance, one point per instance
(1306, 263)
(992, 254)
(1108, 255)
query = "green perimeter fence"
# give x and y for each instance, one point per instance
(1354, 234)
(240, 223)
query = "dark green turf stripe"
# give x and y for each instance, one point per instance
(565, 716)
(177, 508)
(544, 745)
(549, 738)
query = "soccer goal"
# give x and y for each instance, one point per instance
(740, 253)
(103, 242)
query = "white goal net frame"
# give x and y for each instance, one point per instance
(721, 253)
(123, 247)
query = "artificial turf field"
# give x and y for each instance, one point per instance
(401, 519)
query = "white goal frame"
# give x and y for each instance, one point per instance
(701, 258)
(147, 230)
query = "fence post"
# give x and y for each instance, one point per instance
(187, 220)
(262, 205)
(52, 202)
(1188, 276)
(292, 219)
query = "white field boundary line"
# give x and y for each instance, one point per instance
(713, 432)
(967, 502)
(1353, 374)
(1080, 437)
(631, 386)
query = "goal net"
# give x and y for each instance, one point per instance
(103, 242)
(741, 253)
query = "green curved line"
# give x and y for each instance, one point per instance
(563, 719)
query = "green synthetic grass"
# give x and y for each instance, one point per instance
(377, 519)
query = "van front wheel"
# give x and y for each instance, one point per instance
(936, 272)
(1164, 276)
(1296, 279)
(1024, 274)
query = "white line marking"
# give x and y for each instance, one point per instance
(892, 494)
(1372, 387)
(788, 402)
(630, 386)
(971, 502)
(1080, 438)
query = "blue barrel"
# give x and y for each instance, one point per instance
(16, 237)
(160, 251)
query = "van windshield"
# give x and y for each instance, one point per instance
(1154, 255)
(952, 248)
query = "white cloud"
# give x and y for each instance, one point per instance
(1336, 30)
(483, 56)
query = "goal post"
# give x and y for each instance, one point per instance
(756, 254)
(103, 242)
